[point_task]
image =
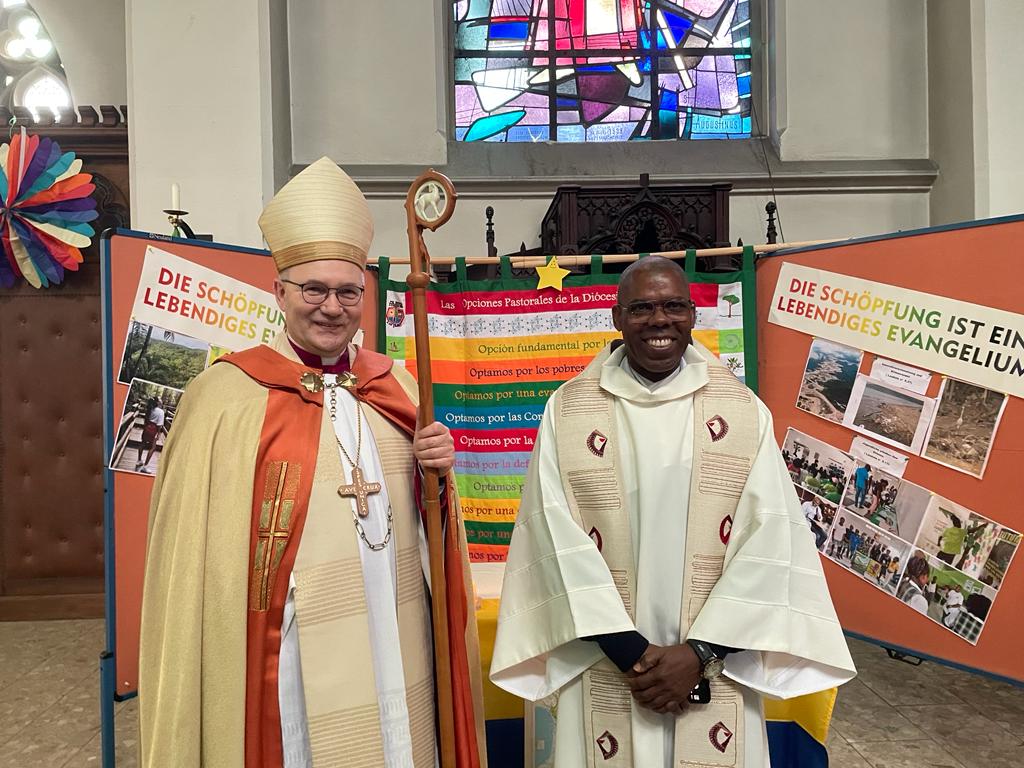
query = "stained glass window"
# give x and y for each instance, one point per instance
(601, 70)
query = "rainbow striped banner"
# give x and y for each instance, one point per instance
(499, 348)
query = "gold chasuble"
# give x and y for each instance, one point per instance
(249, 468)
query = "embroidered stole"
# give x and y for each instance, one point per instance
(298, 471)
(342, 705)
(725, 425)
(285, 459)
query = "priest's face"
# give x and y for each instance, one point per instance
(326, 328)
(655, 315)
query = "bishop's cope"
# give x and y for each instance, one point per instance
(661, 579)
(285, 615)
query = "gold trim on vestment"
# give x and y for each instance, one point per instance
(300, 253)
(280, 488)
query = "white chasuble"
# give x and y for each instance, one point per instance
(558, 589)
(380, 579)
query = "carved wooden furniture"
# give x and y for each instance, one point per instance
(636, 219)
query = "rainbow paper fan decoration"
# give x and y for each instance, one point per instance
(45, 207)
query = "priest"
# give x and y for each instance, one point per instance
(661, 578)
(285, 616)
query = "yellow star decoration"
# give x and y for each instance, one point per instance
(551, 275)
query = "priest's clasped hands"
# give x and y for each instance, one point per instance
(664, 676)
(434, 447)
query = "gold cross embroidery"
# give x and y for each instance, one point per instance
(359, 490)
(274, 529)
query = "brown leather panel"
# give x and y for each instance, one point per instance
(51, 411)
(51, 465)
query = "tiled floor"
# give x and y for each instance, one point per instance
(892, 716)
(49, 697)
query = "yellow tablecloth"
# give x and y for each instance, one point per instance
(498, 705)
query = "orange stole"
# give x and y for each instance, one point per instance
(291, 432)
(285, 465)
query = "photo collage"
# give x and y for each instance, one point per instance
(184, 317)
(156, 365)
(941, 559)
(890, 406)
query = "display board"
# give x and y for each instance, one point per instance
(163, 324)
(894, 367)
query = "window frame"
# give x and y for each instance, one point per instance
(758, 102)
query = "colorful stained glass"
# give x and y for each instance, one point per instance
(601, 70)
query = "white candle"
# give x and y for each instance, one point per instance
(175, 198)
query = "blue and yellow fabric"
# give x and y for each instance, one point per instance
(503, 711)
(798, 729)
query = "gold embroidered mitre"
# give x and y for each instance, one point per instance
(320, 214)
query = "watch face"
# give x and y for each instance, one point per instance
(713, 669)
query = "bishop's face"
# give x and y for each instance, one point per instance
(655, 330)
(324, 329)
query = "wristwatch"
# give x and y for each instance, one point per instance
(710, 665)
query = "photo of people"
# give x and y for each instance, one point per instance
(873, 554)
(828, 379)
(999, 558)
(981, 537)
(816, 466)
(872, 494)
(946, 595)
(145, 421)
(957, 536)
(819, 515)
(892, 504)
(964, 426)
(161, 356)
(892, 415)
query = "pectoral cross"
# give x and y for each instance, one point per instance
(359, 490)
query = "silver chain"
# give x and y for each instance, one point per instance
(359, 448)
(362, 534)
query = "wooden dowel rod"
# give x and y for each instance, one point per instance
(520, 262)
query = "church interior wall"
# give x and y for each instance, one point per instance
(202, 120)
(855, 79)
(952, 111)
(879, 115)
(861, 102)
(90, 37)
(1004, 104)
(368, 81)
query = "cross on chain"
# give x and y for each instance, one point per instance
(359, 490)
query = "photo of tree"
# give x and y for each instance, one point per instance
(161, 356)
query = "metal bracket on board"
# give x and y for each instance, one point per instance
(906, 658)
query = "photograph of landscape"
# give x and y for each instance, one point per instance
(828, 380)
(161, 356)
(890, 414)
(964, 426)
